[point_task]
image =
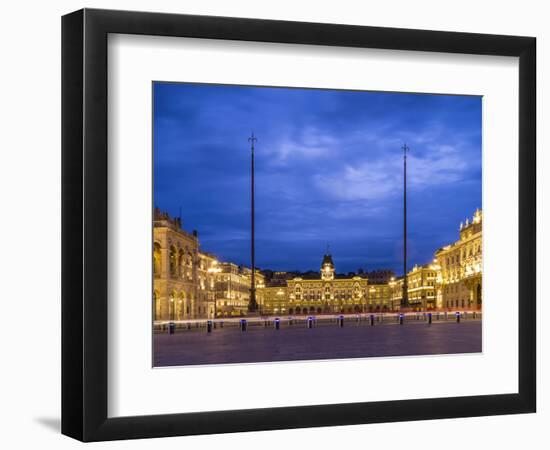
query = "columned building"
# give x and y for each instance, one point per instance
(183, 284)
(232, 289)
(175, 257)
(421, 286)
(459, 281)
(189, 283)
(326, 293)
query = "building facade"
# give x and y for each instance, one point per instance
(452, 281)
(421, 287)
(325, 294)
(232, 289)
(183, 285)
(460, 264)
(190, 283)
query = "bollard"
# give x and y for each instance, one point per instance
(310, 322)
(188, 326)
(474, 314)
(446, 315)
(357, 318)
(400, 319)
(172, 327)
(209, 326)
(457, 314)
(242, 324)
(265, 323)
(430, 318)
(372, 320)
(196, 324)
(277, 323)
(221, 324)
(341, 321)
(437, 316)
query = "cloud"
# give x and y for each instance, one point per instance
(328, 169)
(382, 178)
(311, 143)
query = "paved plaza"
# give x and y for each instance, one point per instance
(297, 342)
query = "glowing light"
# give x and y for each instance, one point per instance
(477, 216)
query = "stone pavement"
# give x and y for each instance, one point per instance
(230, 345)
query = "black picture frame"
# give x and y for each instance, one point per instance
(84, 224)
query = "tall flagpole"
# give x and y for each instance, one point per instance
(252, 305)
(405, 299)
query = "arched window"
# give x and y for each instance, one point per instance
(181, 270)
(156, 260)
(173, 261)
(156, 305)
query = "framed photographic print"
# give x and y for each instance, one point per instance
(273, 224)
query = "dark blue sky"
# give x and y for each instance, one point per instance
(328, 170)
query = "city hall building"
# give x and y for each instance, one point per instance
(327, 293)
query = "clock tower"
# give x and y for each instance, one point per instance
(327, 268)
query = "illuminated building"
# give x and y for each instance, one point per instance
(326, 293)
(459, 282)
(183, 284)
(232, 289)
(421, 286)
(190, 283)
(452, 281)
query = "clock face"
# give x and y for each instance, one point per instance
(327, 272)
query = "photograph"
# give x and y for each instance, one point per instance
(275, 225)
(307, 224)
